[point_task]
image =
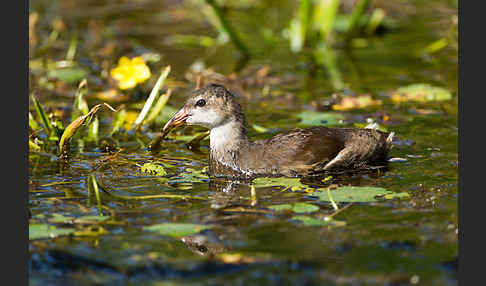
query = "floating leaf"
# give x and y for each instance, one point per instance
(282, 207)
(320, 118)
(397, 196)
(309, 221)
(353, 194)
(292, 183)
(421, 92)
(355, 102)
(177, 229)
(259, 129)
(68, 75)
(37, 231)
(189, 176)
(304, 208)
(91, 219)
(88, 219)
(153, 169)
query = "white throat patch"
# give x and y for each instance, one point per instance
(221, 137)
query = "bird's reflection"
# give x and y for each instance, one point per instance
(233, 193)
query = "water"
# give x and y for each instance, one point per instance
(393, 242)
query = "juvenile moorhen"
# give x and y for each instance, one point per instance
(299, 152)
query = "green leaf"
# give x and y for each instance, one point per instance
(304, 208)
(189, 176)
(68, 75)
(153, 94)
(282, 207)
(33, 147)
(402, 195)
(421, 92)
(119, 120)
(293, 184)
(153, 169)
(321, 118)
(177, 229)
(309, 221)
(91, 219)
(88, 219)
(32, 123)
(37, 231)
(353, 194)
(42, 115)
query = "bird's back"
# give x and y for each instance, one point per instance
(306, 151)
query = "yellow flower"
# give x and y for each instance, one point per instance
(130, 72)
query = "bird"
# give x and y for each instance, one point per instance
(299, 152)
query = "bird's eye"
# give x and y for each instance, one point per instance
(201, 102)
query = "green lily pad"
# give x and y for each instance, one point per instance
(68, 75)
(304, 208)
(58, 218)
(421, 92)
(282, 207)
(310, 221)
(397, 196)
(321, 118)
(42, 230)
(177, 229)
(91, 219)
(153, 169)
(189, 176)
(353, 194)
(292, 183)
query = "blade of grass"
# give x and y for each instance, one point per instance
(158, 106)
(72, 48)
(42, 115)
(152, 96)
(93, 129)
(331, 200)
(80, 106)
(326, 57)
(375, 20)
(324, 17)
(227, 27)
(119, 120)
(299, 26)
(94, 186)
(253, 196)
(32, 123)
(358, 11)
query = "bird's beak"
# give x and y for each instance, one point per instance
(178, 119)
